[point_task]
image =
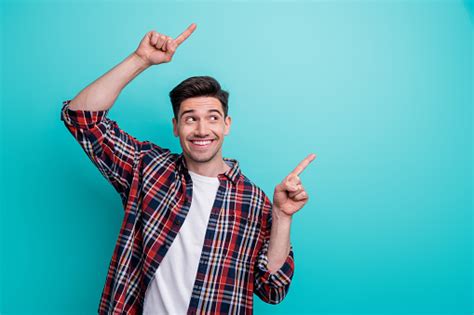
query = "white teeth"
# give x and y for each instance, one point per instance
(201, 142)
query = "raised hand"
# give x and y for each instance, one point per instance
(289, 196)
(156, 48)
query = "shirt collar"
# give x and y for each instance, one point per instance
(233, 173)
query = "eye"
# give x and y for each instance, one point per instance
(189, 119)
(214, 117)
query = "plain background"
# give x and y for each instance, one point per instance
(380, 91)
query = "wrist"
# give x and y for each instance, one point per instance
(280, 216)
(141, 62)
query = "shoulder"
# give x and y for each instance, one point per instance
(256, 193)
(262, 205)
(151, 150)
(153, 156)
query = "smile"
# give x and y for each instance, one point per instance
(201, 143)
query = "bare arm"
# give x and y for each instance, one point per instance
(289, 197)
(102, 93)
(155, 48)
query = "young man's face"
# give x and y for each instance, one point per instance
(201, 128)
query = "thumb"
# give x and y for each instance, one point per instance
(171, 45)
(286, 185)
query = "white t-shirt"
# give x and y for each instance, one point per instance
(169, 292)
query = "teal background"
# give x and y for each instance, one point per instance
(382, 92)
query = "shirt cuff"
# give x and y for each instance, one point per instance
(83, 119)
(283, 275)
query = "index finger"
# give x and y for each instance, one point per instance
(303, 164)
(185, 34)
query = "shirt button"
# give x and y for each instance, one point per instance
(177, 221)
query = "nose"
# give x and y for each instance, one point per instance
(201, 129)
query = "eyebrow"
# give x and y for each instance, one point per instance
(192, 111)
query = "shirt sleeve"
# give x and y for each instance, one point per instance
(114, 152)
(272, 287)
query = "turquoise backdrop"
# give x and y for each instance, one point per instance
(382, 92)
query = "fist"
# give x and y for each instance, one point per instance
(156, 48)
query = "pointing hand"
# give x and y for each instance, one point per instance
(156, 48)
(289, 196)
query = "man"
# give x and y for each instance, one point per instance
(197, 236)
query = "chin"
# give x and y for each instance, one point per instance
(201, 158)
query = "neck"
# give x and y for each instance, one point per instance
(210, 169)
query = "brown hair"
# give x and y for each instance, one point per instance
(198, 86)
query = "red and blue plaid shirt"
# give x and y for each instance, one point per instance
(156, 191)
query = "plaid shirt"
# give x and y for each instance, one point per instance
(156, 190)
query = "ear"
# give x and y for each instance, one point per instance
(227, 122)
(175, 127)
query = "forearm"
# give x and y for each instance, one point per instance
(279, 246)
(102, 93)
